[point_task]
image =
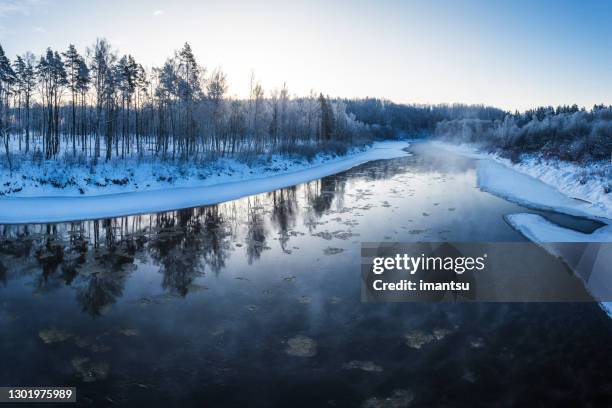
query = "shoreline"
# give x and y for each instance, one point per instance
(507, 182)
(537, 184)
(64, 208)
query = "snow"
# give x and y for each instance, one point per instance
(582, 182)
(70, 176)
(537, 229)
(505, 182)
(63, 205)
(537, 183)
(591, 260)
(546, 185)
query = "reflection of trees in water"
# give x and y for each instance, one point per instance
(217, 237)
(103, 271)
(17, 252)
(101, 289)
(51, 253)
(175, 251)
(97, 257)
(320, 195)
(256, 229)
(284, 208)
(186, 241)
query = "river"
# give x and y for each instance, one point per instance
(256, 302)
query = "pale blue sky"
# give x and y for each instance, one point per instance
(512, 54)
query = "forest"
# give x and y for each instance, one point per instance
(566, 133)
(98, 105)
(101, 105)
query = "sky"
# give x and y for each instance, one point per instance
(511, 54)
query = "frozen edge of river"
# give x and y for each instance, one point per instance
(497, 178)
(21, 210)
(507, 183)
(548, 185)
(538, 229)
(494, 177)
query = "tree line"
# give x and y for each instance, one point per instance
(387, 118)
(101, 105)
(566, 132)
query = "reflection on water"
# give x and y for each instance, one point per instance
(256, 302)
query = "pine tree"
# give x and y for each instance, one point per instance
(103, 81)
(26, 79)
(19, 68)
(82, 87)
(73, 64)
(189, 89)
(53, 77)
(7, 80)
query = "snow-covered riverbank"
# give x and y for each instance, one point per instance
(548, 185)
(554, 187)
(54, 205)
(70, 177)
(506, 182)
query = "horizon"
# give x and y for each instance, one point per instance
(512, 57)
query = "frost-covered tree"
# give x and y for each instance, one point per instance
(182, 111)
(189, 87)
(216, 89)
(327, 119)
(166, 94)
(25, 76)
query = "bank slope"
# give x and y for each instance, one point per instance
(18, 210)
(505, 182)
(535, 183)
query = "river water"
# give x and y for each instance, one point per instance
(256, 302)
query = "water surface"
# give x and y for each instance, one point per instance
(256, 302)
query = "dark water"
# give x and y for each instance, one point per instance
(256, 302)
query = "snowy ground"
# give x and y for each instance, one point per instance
(586, 184)
(519, 184)
(506, 182)
(560, 187)
(591, 258)
(536, 228)
(122, 175)
(146, 191)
